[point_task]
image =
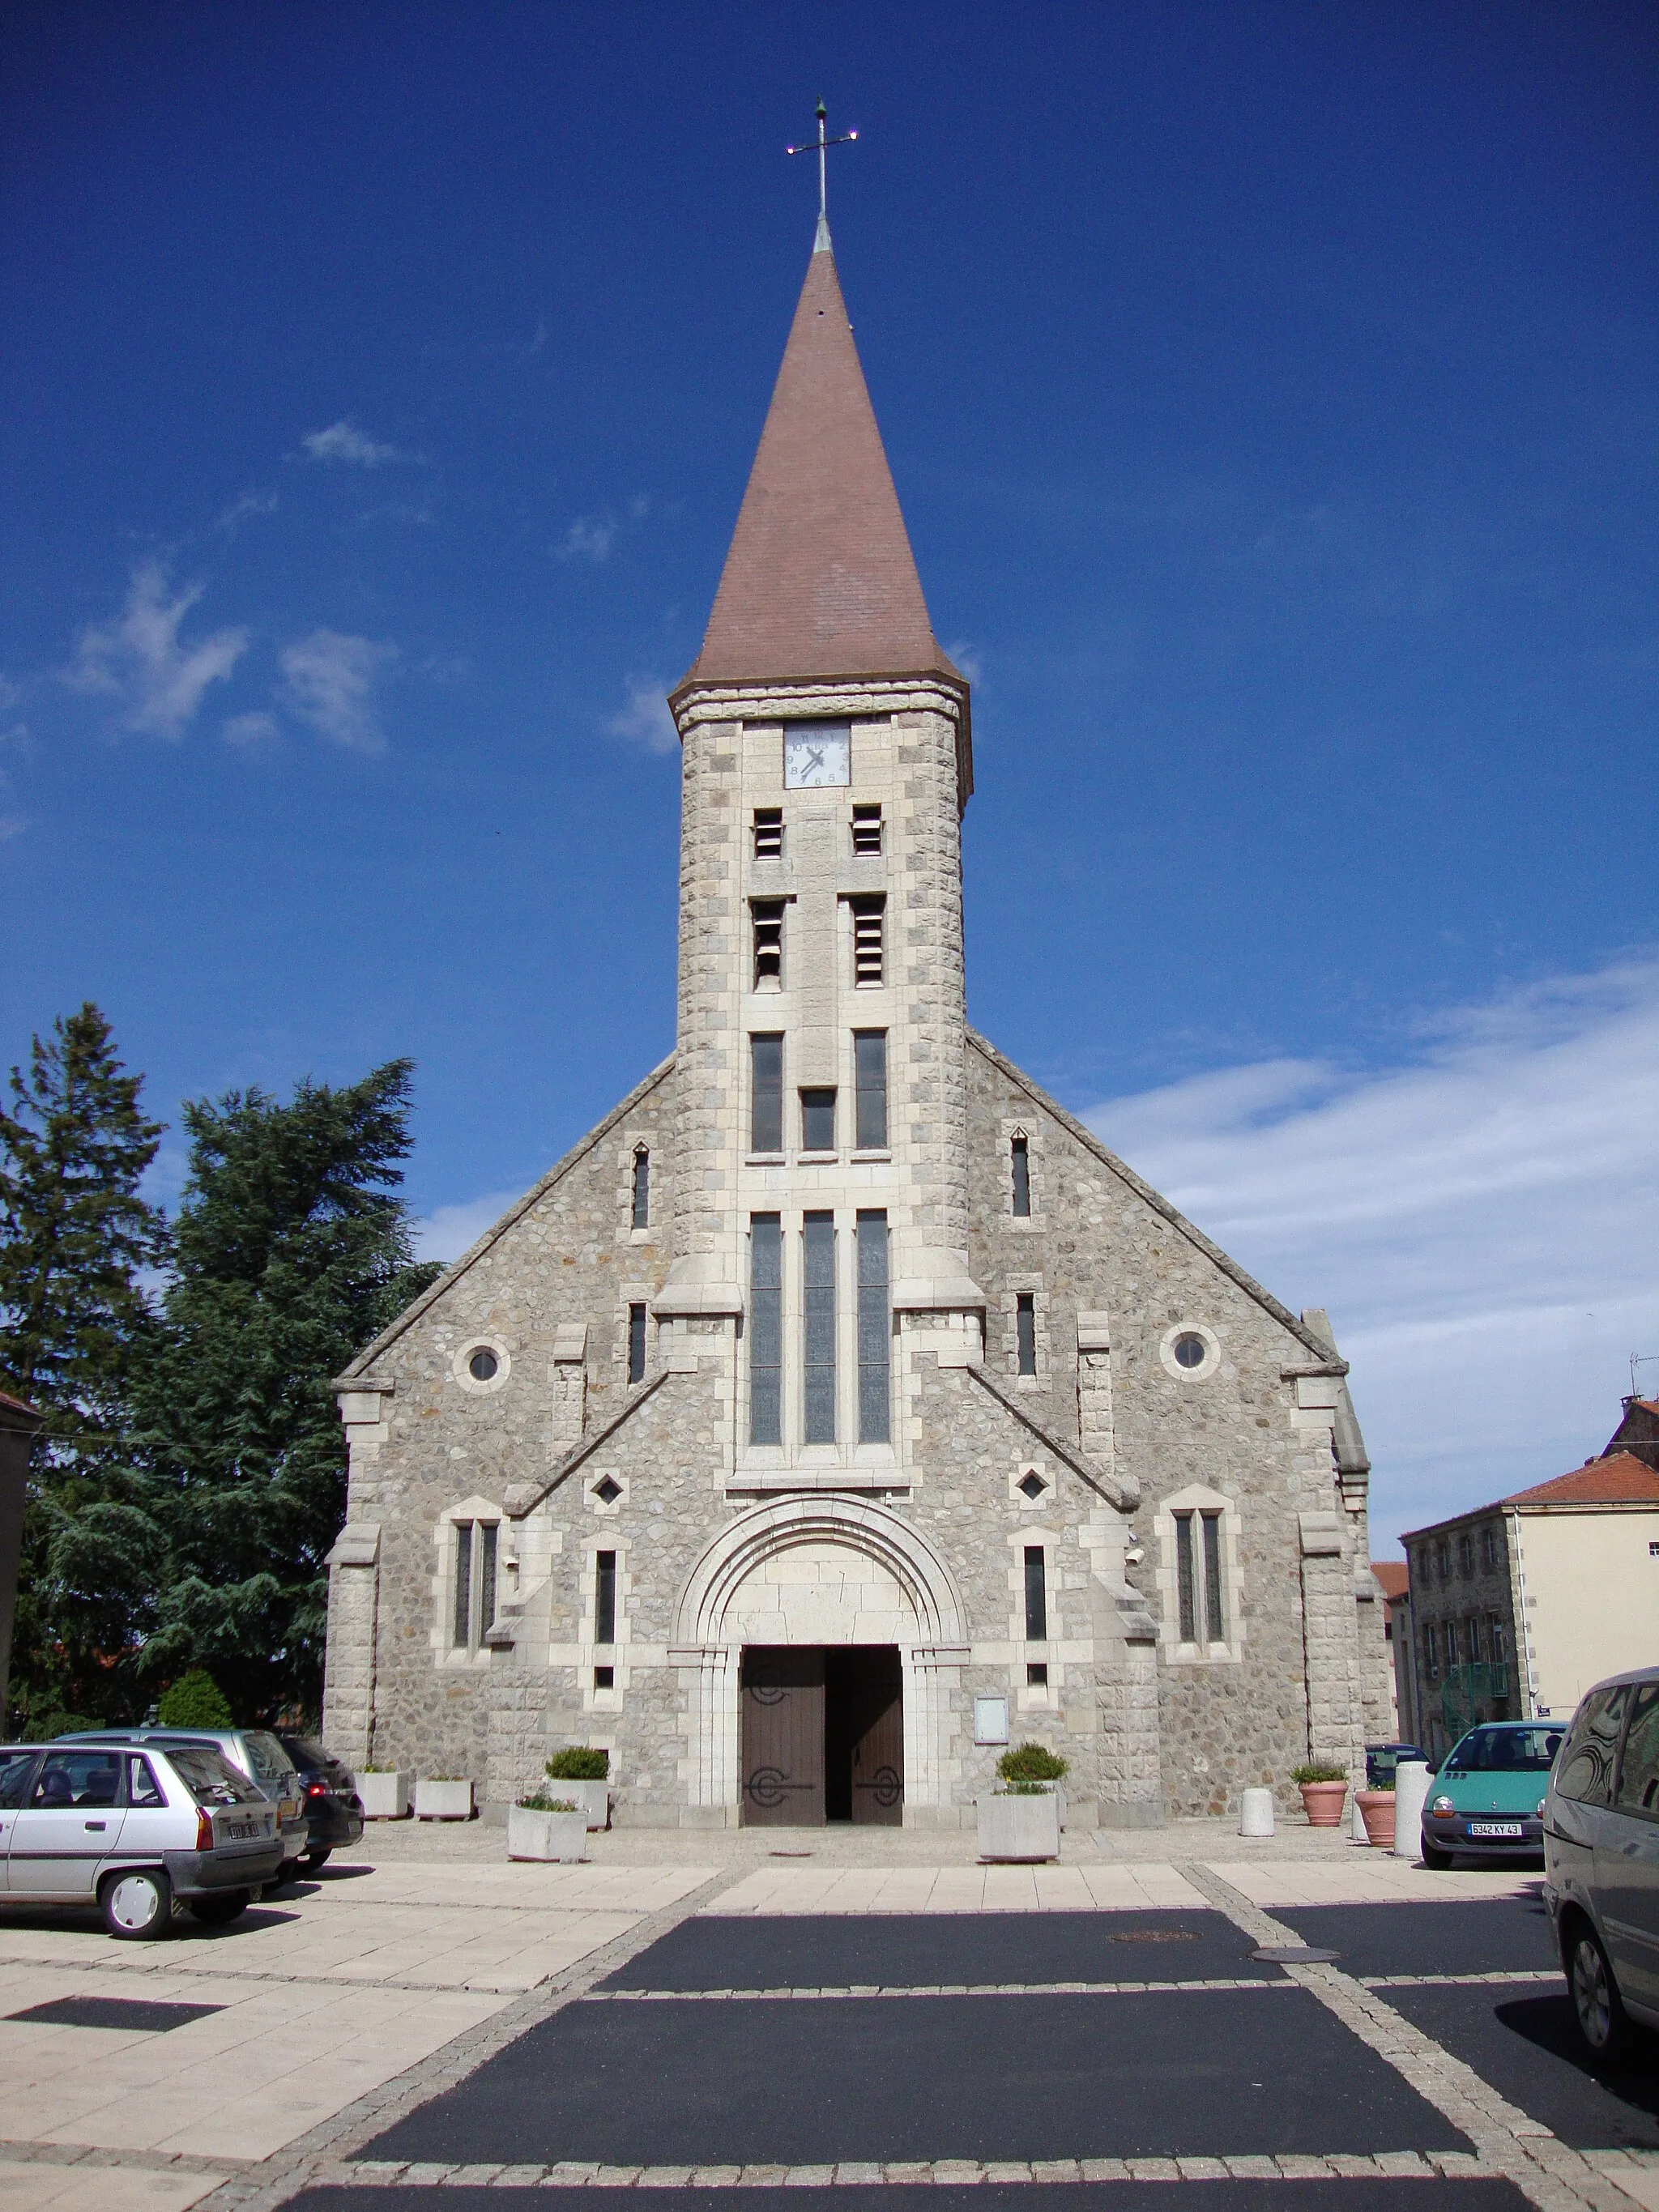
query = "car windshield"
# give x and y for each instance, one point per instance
(209, 1777)
(266, 1756)
(1506, 1751)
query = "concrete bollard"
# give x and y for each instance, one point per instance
(1256, 1813)
(1410, 1793)
(1357, 1830)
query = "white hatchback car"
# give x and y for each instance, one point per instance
(129, 1831)
(1601, 1859)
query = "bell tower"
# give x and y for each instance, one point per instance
(826, 758)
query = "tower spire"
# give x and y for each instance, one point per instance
(819, 580)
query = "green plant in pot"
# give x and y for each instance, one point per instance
(1323, 1786)
(579, 1762)
(1032, 1770)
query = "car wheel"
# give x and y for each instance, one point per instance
(315, 1860)
(1596, 2010)
(137, 1907)
(1434, 1857)
(220, 1910)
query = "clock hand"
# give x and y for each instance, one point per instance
(814, 759)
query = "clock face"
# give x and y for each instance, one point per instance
(816, 755)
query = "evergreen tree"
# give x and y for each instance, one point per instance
(76, 1237)
(291, 1251)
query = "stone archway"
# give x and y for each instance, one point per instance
(817, 1571)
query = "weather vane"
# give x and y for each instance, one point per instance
(822, 144)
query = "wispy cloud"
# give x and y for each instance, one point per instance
(1480, 1219)
(449, 1231)
(591, 537)
(251, 731)
(345, 441)
(966, 657)
(645, 721)
(243, 510)
(331, 682)
(139, 659)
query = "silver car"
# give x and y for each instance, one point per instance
(254, 1752)
(130, 1830)
(1601, 1859)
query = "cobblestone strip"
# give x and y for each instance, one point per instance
(922, 2173)
(15, 2153)
(925, 1989)
(1507, 2142)
(1530, 1974)
(331, 2143)
(173, 1966)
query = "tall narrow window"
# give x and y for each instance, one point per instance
(768, 833)
(1036, 1596)
(766, 1094)
(765, 1328)
(818, 1121)
(642, 1189)
(870, 1069)
(488, 1540)
(818, 1319)
(1473, 1639)
(866, 829)
(868, 917)
(462, 1635)
(636, 1344)
(1186, 1578)
(1214, 1624)
(1025, 1331)
(766, 916)
(605, 1597)
(1020, 1151)
(875, 1395)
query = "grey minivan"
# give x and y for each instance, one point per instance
(1601, 1859)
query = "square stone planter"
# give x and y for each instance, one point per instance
(558, 1836)
(1019, 1829)
(442, 1800)
(384, 1797)
(593, 1797)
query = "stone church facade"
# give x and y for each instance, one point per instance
(841, 1409)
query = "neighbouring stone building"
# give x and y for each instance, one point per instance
(840, 1409)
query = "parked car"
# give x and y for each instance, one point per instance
(1382, 1758)
(129, 1831)
(255, 1753)
(1602, 1859)
(1488, 1795)
(328, 1790)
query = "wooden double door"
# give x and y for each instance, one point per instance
(823, 1735)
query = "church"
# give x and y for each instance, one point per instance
(841, 1411)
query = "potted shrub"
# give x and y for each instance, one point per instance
(443, 1797)
(383, 1792)
(1020, 1820)
(1323, 1788)
(545, 1826)
(1376, 1809)
(584, 1771)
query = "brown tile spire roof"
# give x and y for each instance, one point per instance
(819, 580)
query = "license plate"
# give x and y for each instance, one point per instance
(239, 1831)
(1496, 1828)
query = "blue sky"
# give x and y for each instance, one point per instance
(1270, 392)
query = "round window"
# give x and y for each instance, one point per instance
(483, 1364)
(1190, 1349)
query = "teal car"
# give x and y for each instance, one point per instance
(1488, 1796)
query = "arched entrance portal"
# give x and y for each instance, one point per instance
(820, 1640)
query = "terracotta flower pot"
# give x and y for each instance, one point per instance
(1376, 1808)
(1322, 1803)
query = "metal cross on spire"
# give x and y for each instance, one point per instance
(822, 143)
